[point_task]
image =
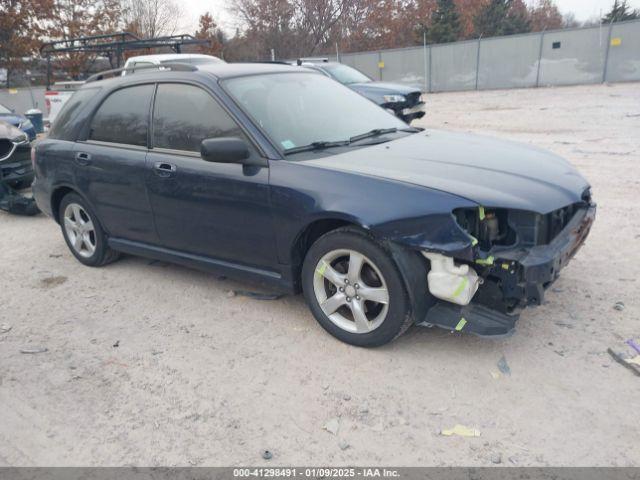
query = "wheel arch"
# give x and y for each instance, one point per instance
(58, 193)
(56, 198)
(312, 232)
(412, 266)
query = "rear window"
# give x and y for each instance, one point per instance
(61, 127)
(123, 117)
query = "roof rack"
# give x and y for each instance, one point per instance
(113, 45)
(276, 62)
(176, 67)
(312, 59)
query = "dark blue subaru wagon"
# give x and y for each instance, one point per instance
(284, 177)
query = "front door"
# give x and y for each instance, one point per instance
(110, 164)
(217, 210)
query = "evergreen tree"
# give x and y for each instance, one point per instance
(502, 17)
(445, 23)
(620, 11)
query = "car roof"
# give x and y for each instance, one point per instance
(216, 70)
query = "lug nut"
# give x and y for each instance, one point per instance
(357, 298)
(357, 286)
(348, 299)
(346, 280)
(341, 289)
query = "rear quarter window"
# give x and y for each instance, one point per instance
(62, 127)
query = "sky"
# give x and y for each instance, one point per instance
(220, 9)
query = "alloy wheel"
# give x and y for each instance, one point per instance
(80, 230)
(351, 291)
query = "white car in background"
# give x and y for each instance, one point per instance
(148, 60)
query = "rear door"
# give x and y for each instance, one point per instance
(218, 210)
(110, 164)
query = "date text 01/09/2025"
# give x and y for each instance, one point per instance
(316, 472)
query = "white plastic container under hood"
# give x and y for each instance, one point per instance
(448, 281)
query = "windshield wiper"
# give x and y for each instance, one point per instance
(316, 146)
(376, 132)
(322, 145)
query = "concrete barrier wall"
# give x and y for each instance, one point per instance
(23, 99)
(608, 53)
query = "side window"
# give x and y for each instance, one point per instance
(185, 115)
(60, 128)
(123, 117)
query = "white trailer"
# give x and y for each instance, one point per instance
(56, 97)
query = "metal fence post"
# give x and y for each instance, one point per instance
(606, 56)
(430, 69)
(540, 58)
(478, 61)
(425, 60)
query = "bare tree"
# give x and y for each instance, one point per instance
(151, 18)
(77, 18)
(569, 20)
(315, 20)
(268, 25)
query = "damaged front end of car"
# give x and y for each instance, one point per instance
(16, 171)
(510, 258)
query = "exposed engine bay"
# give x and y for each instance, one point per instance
(518, 255)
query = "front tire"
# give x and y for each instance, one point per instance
(354, 289)
(83, 233)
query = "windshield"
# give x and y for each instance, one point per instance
(4, 109)
(345, 74)
(298, 109)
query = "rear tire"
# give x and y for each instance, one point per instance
(354, 289)
(83, 233)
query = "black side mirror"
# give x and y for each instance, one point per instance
(226, 150)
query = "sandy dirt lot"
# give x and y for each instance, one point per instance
(201, 378)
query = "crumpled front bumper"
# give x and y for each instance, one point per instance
(513, 280)
(526, 274)
(409, 114)
(18, 166)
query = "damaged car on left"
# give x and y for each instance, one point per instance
(16, 170)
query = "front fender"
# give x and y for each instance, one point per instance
(412, 216)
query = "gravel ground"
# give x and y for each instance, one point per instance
(154, 364)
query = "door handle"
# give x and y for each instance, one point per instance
(164, 169)
(83, 158)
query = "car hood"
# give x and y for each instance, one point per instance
(11, 118)
(8, 131)
(490, 172)
(383, 88)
